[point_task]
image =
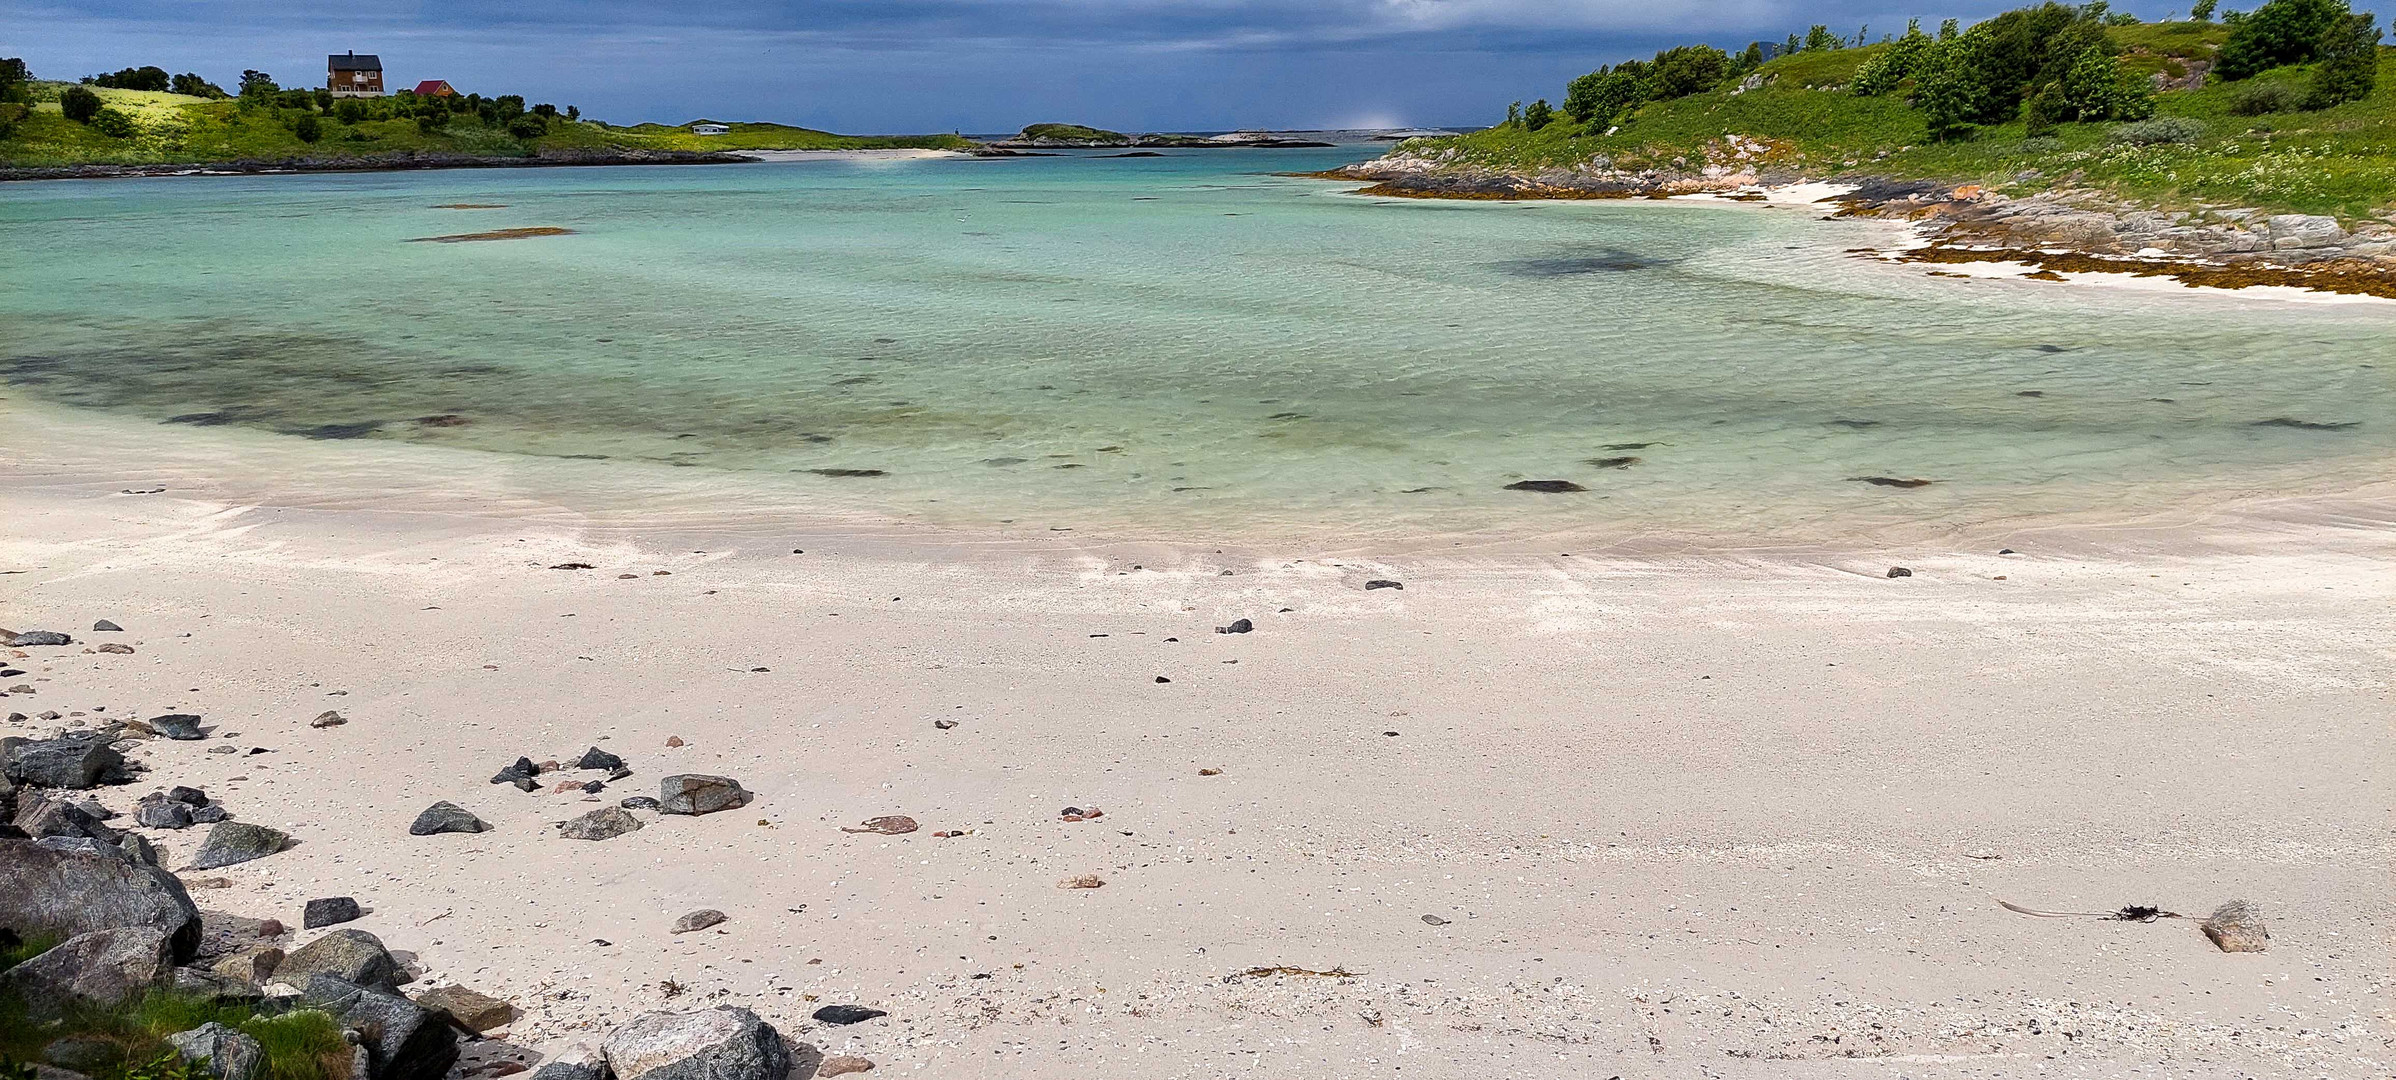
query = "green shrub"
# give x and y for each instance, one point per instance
(1689, 69)
(350, 111)
(2098, 87)
(1894, 65)
(2202, 10)
(79, 104)
(2277, 34)
(2349, 68)
(141, 78)
(2160, 131)
(114, 124)
(529, 126)
(11, 113)
(1608, 92)
(307, 128)
(2267, 96)
(192, 85)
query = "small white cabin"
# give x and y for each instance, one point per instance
(710, 129)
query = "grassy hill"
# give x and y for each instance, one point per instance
(2339, 161)
(173, 128)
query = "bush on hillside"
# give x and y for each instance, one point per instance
(2264, 97)
(192, 85)
(529, 126)
(1985, 74)
(307, 128)
(1608, 92)
(140, 78)
(1689, 69)
(2161, 131)
(2280, 33)
(114, 124)
(1894, 65)
(79, 104)
(2349, 63)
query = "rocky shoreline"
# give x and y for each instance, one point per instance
(373, 163)
(2060, 231)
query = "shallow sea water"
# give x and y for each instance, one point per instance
(1185, 343)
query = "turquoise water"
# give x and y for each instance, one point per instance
(1177, 341)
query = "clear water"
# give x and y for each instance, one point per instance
(1180, 343)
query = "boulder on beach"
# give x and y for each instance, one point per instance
(2237, 926)
(352, 956)
(231, 842)
(693, 793)
(605, 823)
(446, 817)
(31, 638)
(475, 1012)
(401, 1039)
(65, 894)
(41, 817)
(698, 920)
(104, 967)
(156, 811)
(79, 761)
(330, 911)
(595, 758)
(181, 727)
(723, 1043)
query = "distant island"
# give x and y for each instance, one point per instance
(1078, 137)
(2267, 139)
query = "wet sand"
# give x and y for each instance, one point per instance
(1706, 813)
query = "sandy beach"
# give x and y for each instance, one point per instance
(1537, 814)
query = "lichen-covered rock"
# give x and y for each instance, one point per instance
(400, 1039)
(330, 911)
(231, 842)
(228, 1054)
(253, 966)
(39, 816)
(693, 793)
(2237, 926)
(104, 967)
(605, 823)
(65, 894)
(352, 956)
(723, 1043)
(475, 1012)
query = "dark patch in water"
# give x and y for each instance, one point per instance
(338, 431)
(846, 472)
(2031, 393)
(443, 420)
(1287, 416)
(1004, 461)
(1551, 487)
(1893, 481)
(1135, 153)
(813, 438)
(1607, 261)
(2306, 425)
(855, 380)
(1109, 450)
(1627, 446)
(1858, 425)
(584, 457)
(2052, 349)
(1614, 462)
(201, 419)
(1074, 465)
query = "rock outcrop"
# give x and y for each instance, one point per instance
(65, 894)
(723, 1043)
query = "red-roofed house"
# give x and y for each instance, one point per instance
(435, 88)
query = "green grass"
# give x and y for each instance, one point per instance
(1071, 131)
(300, 1045)
(179, 129)
(2338, 161)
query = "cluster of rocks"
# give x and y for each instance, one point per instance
(2080, 221)
(524, 773)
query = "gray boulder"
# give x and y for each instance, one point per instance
(40, 816)
(573, 1070)
(253, 966)
(400, 1039)
(231, 842)
(446, 817)
(75, 761)
(228, 1054)
(605, 823)
(693, 793)
(31, 638)
(330, 911)
(104, 967)
(65, 894)
(2237, 926)
(595, 758)
(352, 956)
(181, 727)
(209, 985)
(478, 1013)
(223, 933)
(156, 811)
(723, 1043)
(138, 850)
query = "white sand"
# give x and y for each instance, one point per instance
(1695, 817)
(850, 155)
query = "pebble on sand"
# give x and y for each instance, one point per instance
(1899, 571)
(698, 920)
(893, 825)
(1082, 881)
(843, 1065)
(328, 719)
(1383, 583)
(106, 627)
(446, 817)
(847, 1014)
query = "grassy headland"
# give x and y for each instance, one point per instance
(137, 127)
(2198, 141)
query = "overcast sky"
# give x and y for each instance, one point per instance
(938, 65)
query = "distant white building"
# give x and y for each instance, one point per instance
(710, 129)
